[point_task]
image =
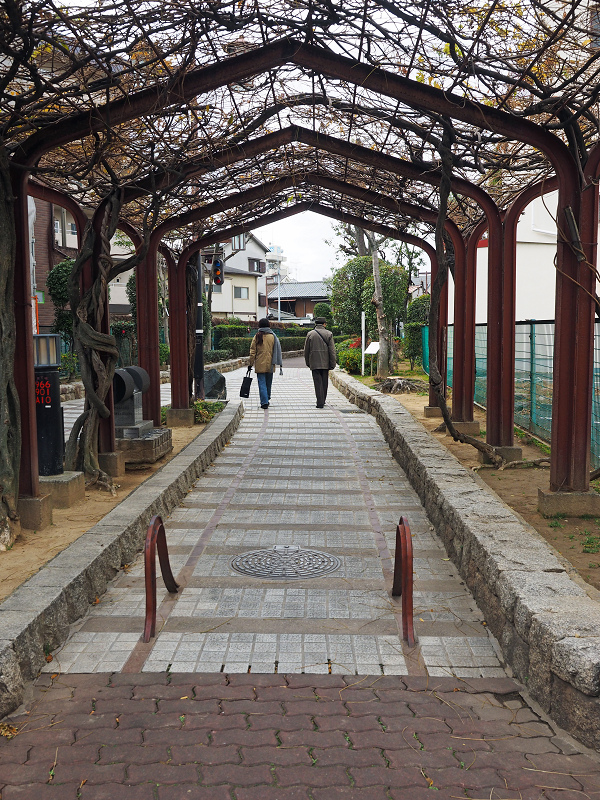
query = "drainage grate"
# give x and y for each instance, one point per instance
(285, 563)
(351, 411)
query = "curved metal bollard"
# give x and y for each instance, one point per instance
(156, 537)
(403, 579)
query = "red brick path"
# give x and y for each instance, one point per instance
(295, 737)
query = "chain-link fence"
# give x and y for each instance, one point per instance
(534, 350)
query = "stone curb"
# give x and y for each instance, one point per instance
(36, 617)
(547, 626)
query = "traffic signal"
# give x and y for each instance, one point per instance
(217, 271)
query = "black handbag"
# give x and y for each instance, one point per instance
(246, 384)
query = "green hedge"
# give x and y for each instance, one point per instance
(238, 347)
(212, 356)
(292, 343)
(241, 347)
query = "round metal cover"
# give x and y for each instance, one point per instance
(285, 563)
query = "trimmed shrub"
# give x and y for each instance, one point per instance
(212, 356)
(164, 353)
(418, 310)
(350, 360)
(413, 343)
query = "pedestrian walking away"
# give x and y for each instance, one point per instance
(319, 354)
(265, 353)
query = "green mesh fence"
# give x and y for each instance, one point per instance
(534, 348)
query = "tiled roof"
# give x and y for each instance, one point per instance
(291, 291)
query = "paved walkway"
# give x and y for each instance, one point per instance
(256, 687)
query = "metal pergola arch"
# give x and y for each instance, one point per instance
(572, 405)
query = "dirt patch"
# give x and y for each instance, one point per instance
(33, 549)
(576, 539)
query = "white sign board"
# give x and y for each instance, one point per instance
(372, 349)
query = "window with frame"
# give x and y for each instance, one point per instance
(241, 292)
(56, 226)
(73, 229)
(253, 265)
(238, 243)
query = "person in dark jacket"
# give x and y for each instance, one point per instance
(319, 354)
(265, 352)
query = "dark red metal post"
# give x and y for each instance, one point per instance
(29, 482)
(180, 390)
(403, 578)
(148, 332)
(155, 537)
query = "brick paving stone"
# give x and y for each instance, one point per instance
(134, 754)
(218, 692)
(148, 720)
(25, 773)
(55, 735)
(199, 754)
(295, 723)
(415, 724)
(256, 679)
(465, 778)
(275, 755)
(316, 708)
(435, 741)
(41, 791)
(561, 794)
(64, 754)
(17, 754)
(91, 773)
(527, 777)
(162, 773)
(117, 791)
(312, 738)
(122, 705)
(91, 721)
(269, 793)
(190, 792)
(188, 706)
(247, 738)
(410, 757)
(352, 793)
(172, 737)
(312, 776)
(382, 776)
(109, 736)
(251, 707)
(338, 756)
(241, 775)
(156, 691)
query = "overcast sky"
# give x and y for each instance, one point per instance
(302, 238)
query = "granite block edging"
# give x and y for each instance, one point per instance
(548, 627)
(36, 617)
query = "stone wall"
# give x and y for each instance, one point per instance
(547, 623)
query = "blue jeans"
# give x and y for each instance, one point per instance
(265, 379)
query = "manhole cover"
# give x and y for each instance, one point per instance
(285, 563)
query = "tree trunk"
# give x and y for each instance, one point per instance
(10, 417)
(383, 357)
(361, 244)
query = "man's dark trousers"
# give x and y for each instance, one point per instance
(321, 380)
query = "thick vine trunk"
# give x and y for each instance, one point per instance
(10, 417)
(435, 376)
(97, 351)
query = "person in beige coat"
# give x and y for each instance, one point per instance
(319, 354)
(265, 352)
